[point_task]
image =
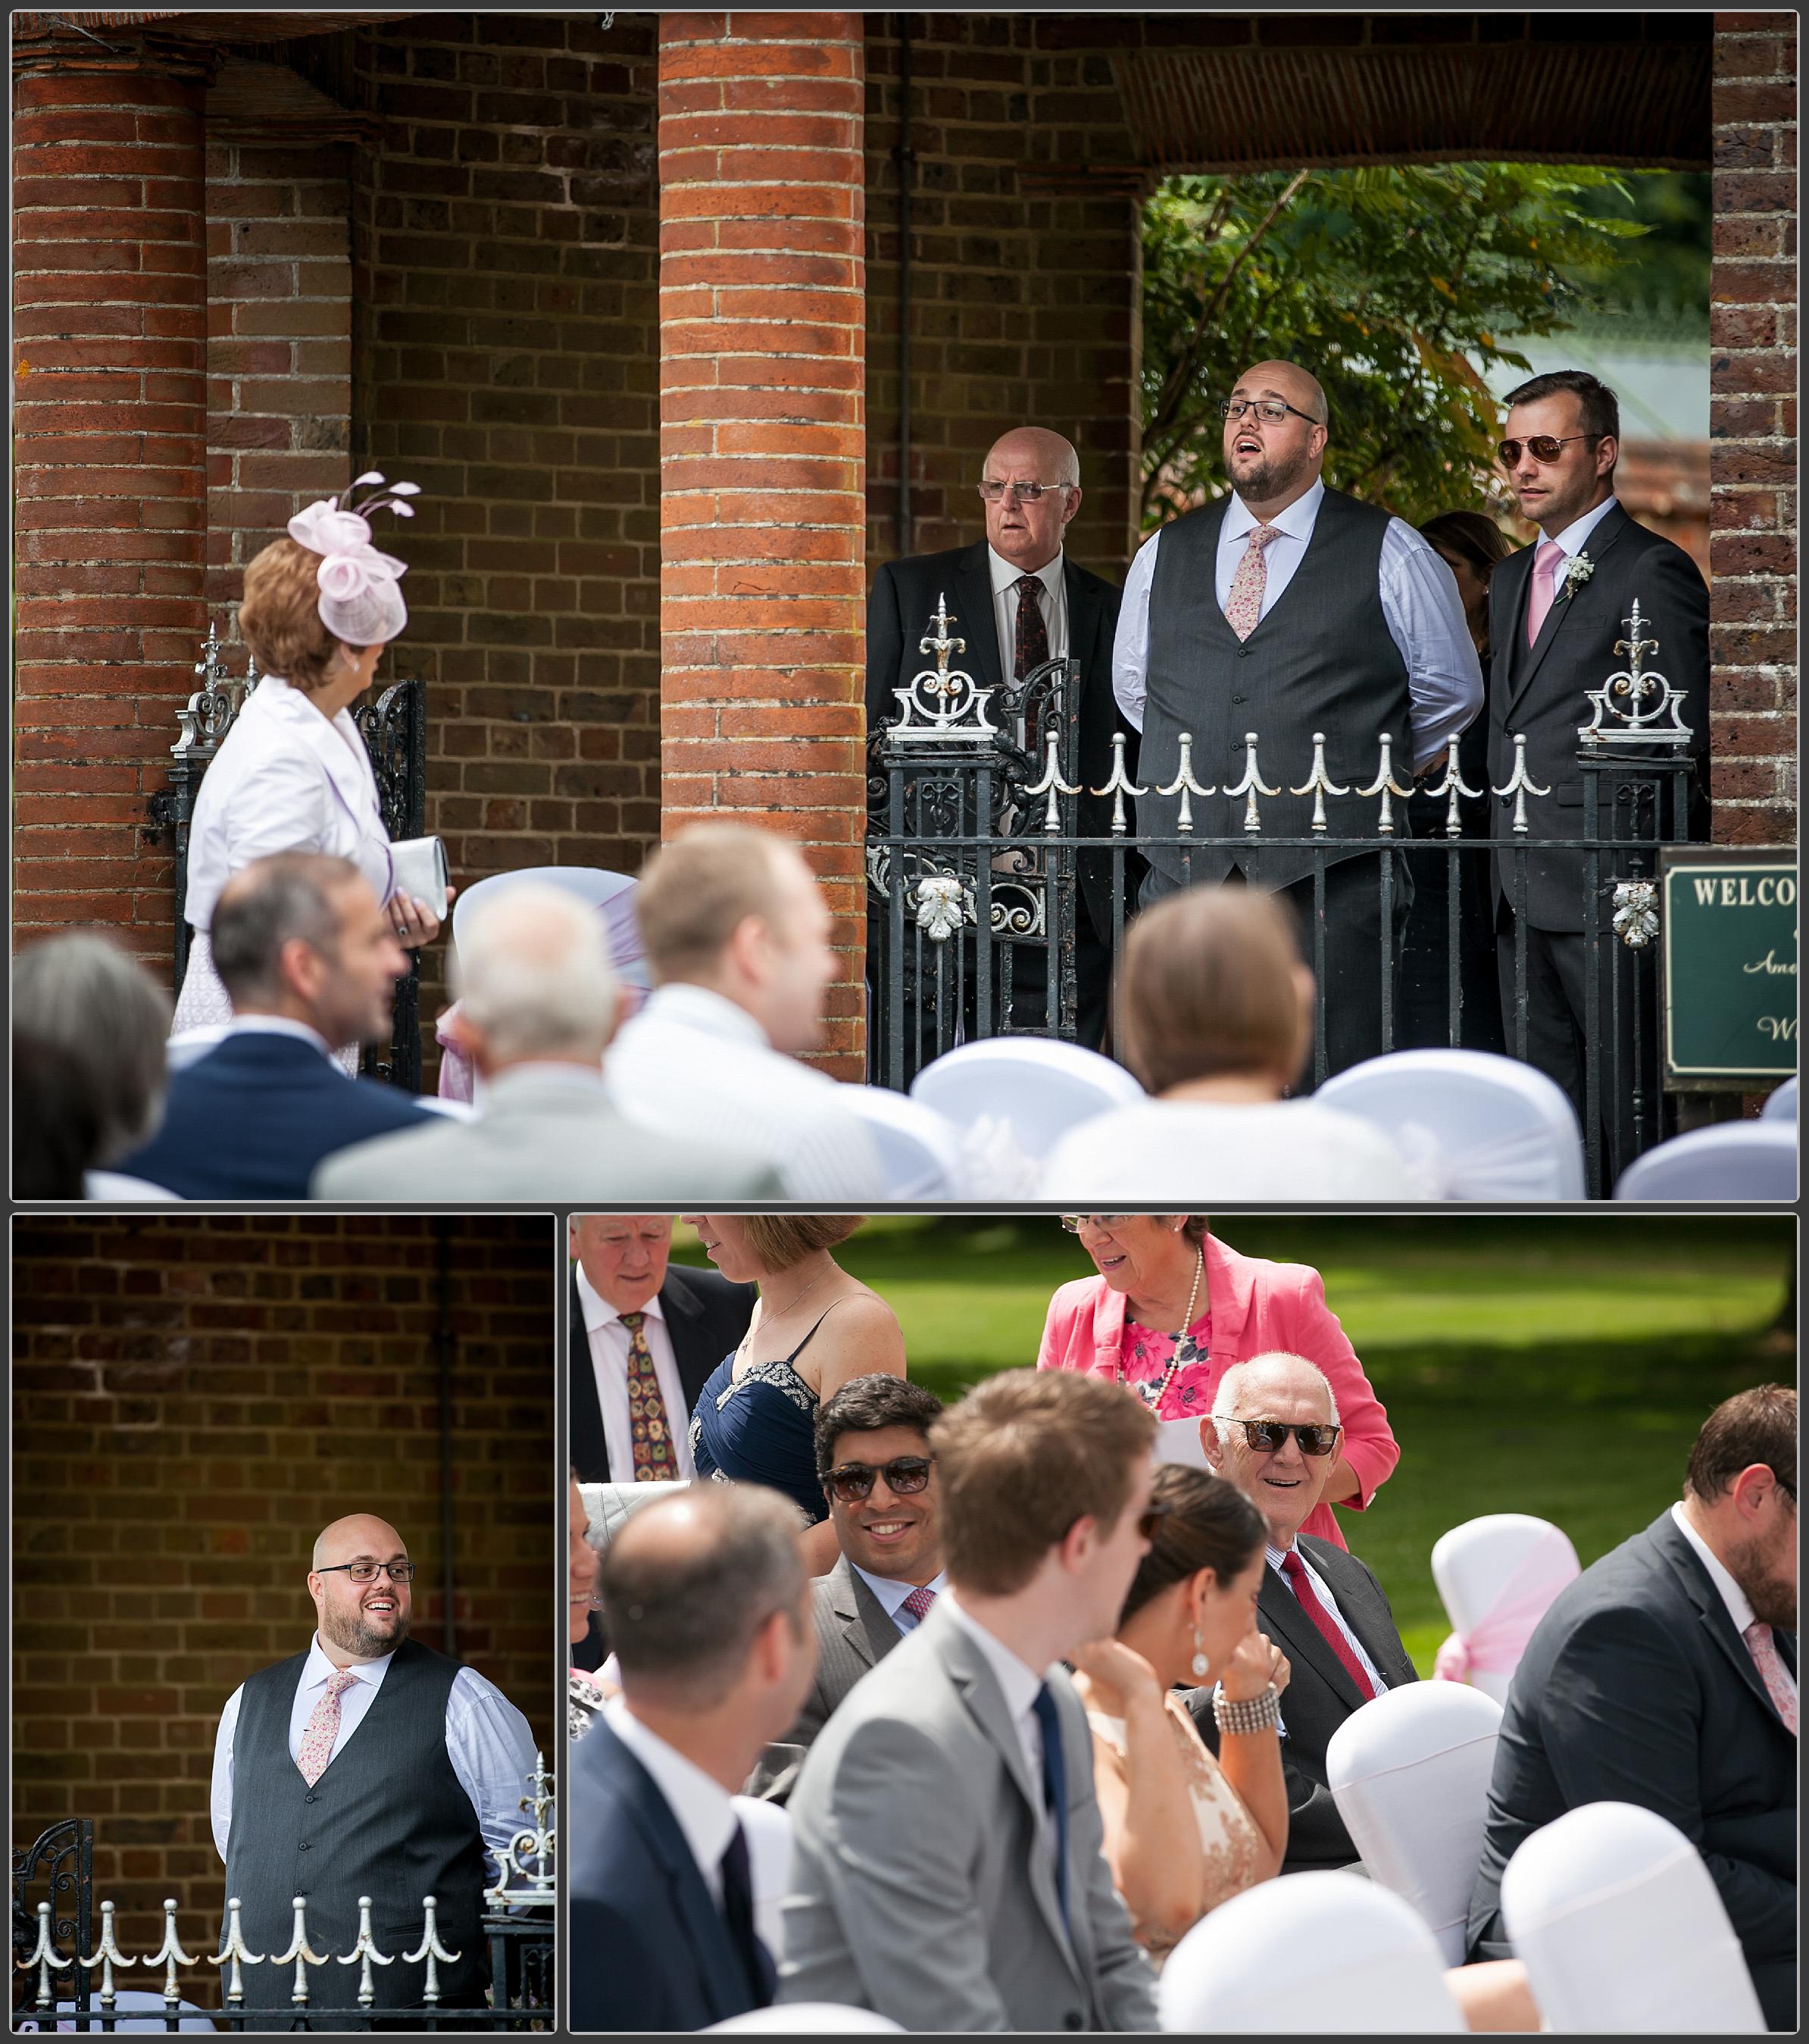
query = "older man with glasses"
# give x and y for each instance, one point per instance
(367, 1765)
(1216, 642)
(1274, 1431)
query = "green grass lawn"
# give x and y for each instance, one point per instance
(1555, 1367)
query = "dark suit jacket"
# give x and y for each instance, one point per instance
(1635, 1687)
(1319, 1694)
(1540, 690)
(853, 1634)
(252, 1119)
(706, 1316)
(651, 1950)
(903, 599)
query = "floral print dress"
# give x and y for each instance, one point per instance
(1145, 1360)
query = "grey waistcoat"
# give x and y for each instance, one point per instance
(389, 1819)
(1321, 660)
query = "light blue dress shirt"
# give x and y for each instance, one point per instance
(892, 1595)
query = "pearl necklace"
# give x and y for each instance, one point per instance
(1155, 1403)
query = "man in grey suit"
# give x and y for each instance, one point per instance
(873, 1455)
(947, 1869)
(538, 1005)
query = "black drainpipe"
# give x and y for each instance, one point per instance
(904, 158)
(443, 1347)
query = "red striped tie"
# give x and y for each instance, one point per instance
(1301, 1583)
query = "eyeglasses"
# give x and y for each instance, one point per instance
(367, 1572)
(1271, 409)
(1028, 493)
(905, 1475)
(1268, 1436)
(1072, 1223)
(1541, 446)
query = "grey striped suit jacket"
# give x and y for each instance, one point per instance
(853, 1634)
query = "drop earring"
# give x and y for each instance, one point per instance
(1201, 1666)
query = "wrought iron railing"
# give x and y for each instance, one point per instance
(394, 730)
(78, 1988)
(973, 845)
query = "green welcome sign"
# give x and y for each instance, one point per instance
(1728, 932)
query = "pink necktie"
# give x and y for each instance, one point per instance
(1540, 598)
(323, 1729)
(1243, 606)
(1770, 1665)
(920, 1601)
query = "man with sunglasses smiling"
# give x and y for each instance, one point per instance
(1555, 613)
(873, 1454)
(1274, 1432)
(369, 1764)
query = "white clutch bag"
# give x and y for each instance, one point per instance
(419, 864)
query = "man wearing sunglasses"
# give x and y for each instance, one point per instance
(1555, 613)
(873, 1455)
(1274, 1432)
(1018, 600)
(369, 1764)
(1287, 609)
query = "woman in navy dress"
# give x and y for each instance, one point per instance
(814, 1328)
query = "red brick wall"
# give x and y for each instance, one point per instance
(193, 1398)
(1753, 379)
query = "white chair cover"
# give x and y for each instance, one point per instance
(1327, 1953)
(139, 2009)
(1409, 1773)
(1781, 1105)
(612, 893)
(1622, 1929)
(1733, 1160)
(116, 1189)
(920, 1152)
(1497, 1578)
(1503, 1131)
(1035, 1087)
(767, 1829)
(607, 1505)
(828, 2019)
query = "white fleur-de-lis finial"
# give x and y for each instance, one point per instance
(1318, 784)
(1520, 784)
(1251, 785)
(1184, 785)
(1118, 785)
(1387, 786)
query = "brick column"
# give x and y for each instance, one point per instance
(762, 446)
(1752, 460)
(109, 325)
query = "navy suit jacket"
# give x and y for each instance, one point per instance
(649, 1948)
(252, 1119)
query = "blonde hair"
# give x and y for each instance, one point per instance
(780, 1240)
(279, 616)
(695, 892)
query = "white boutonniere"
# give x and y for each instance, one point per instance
(1577, 571)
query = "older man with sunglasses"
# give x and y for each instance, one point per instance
(1556, 616)
(1273, 1431)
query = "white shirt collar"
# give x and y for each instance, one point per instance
(551, 1071)
(891, 1594)
(319, 1668)
(1019, 1682)
(1739, 1608)
(600, 1312)
(1575, 537)
(703, 1809)
(278, 1025)
(1297, 521)
(1006, 573)
(700, 1008)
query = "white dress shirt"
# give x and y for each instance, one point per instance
(1323, 1589)
(1574, 539)
(608, 1341)
(1739, 1605)
(892, 1595)
(696, 1067)
(703, 1809)
(1006, 575)
(1421, 605)
(487, 1740)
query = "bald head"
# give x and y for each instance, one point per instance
(1285, 1483)
(1274, 462)
(1025, 531)
(1036, 448)
(1288, 381)
(359, 1536)
(359, 1621)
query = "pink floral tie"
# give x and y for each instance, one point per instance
(920, 1601)
(1542, 595)
(323, 1729)
(1770, 1665)
(1244, 607)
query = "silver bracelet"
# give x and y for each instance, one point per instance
(1260, 1713)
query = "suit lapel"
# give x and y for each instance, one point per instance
(1527, 662)
(972, 594)
(1357, 1599)
(1716, 1620)
(589, 1447)
(1228, 1291)
(1281, 1615)
(870, 1634)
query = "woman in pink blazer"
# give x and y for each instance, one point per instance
(1174, 1308)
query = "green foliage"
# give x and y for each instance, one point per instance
(1397, 286)
(1662, 287)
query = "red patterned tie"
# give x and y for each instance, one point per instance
(649, 1436)
(1770, 1665)
(918, 1603)
(1301, 1583)
(1030, 642)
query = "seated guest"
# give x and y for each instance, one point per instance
(1173, 1309)
(814, 1328)
(873, 1460)
(1185, 1832)
(537, 1003)
(1215, 1018)
(1274, 1431)
(646, 1333)
(737, 935)
(704, 1597)
(89, 1028)
(584, 1692)
(1665, 1676)
(947, 1869)
(310, 963)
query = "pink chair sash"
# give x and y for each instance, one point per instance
(1494, 1644)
